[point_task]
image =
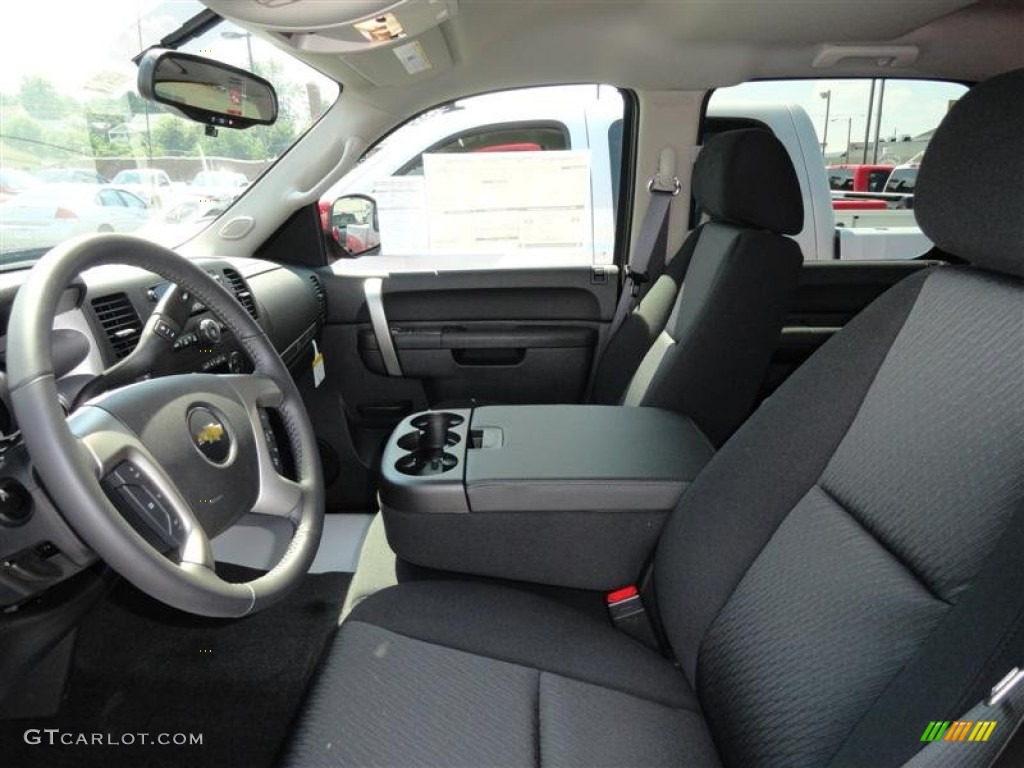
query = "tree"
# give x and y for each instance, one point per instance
(41, 100)
(173, 136)
(21, 128)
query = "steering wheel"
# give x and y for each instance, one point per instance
(187, 455)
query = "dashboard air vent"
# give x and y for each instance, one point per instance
(321, 296)
(241, 291)
(120, 322)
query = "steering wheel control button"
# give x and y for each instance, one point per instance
(151, 511)
(143, 506)
(271, 438)
(15, 503)
(209, 330)
(186, 340)
(209, 435)
(125, 473)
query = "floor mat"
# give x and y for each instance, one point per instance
(144, 668)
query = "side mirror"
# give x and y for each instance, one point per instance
(206, 91)
(353, 224)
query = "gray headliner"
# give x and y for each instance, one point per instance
(680, 45)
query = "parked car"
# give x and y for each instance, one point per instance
(218, 185)
(151, 184)
(14, 182)
(51, 213)
(183, 217)
(69, 176)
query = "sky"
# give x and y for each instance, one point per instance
(102, 36)
(87, 37)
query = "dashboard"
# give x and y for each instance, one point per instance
(99, 322)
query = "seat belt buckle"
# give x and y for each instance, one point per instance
(627, 612)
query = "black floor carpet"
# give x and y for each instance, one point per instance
(141, 667)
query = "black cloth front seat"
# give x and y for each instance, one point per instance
(845, 570)
(700, 340)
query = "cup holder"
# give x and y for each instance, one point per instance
(427, 444)
(449, 420)
(410, 441)
(421, 464)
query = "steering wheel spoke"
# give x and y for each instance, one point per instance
(140, 488)
(255, 391)
(196, 552)
(278, 496)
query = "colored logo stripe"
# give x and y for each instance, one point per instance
(936, 730)
(958, 730)
(982, 730)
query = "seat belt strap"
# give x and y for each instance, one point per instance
(981, 736)
(650, 246)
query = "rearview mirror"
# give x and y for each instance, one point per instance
(206, 91)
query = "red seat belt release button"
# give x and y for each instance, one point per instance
(627, 612)
(620, 595)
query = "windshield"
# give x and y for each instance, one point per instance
(76, 118)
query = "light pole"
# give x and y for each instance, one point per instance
(827, 96)
(849, 134)
(248, 44)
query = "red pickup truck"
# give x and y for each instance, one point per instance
(858, 178)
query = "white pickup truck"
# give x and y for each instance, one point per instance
(490, 124)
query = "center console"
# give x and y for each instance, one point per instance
(572, 496)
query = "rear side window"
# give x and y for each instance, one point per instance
(840, 178)
(902, 181)
(877, 180)
(129, 200)
(857, 145)
(110, 197)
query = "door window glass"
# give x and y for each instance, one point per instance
(512, 179)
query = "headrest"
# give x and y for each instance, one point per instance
(969, 198)
(746, 178)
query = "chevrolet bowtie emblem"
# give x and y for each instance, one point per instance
(211, 433)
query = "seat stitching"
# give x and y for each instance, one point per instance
(877, 538)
